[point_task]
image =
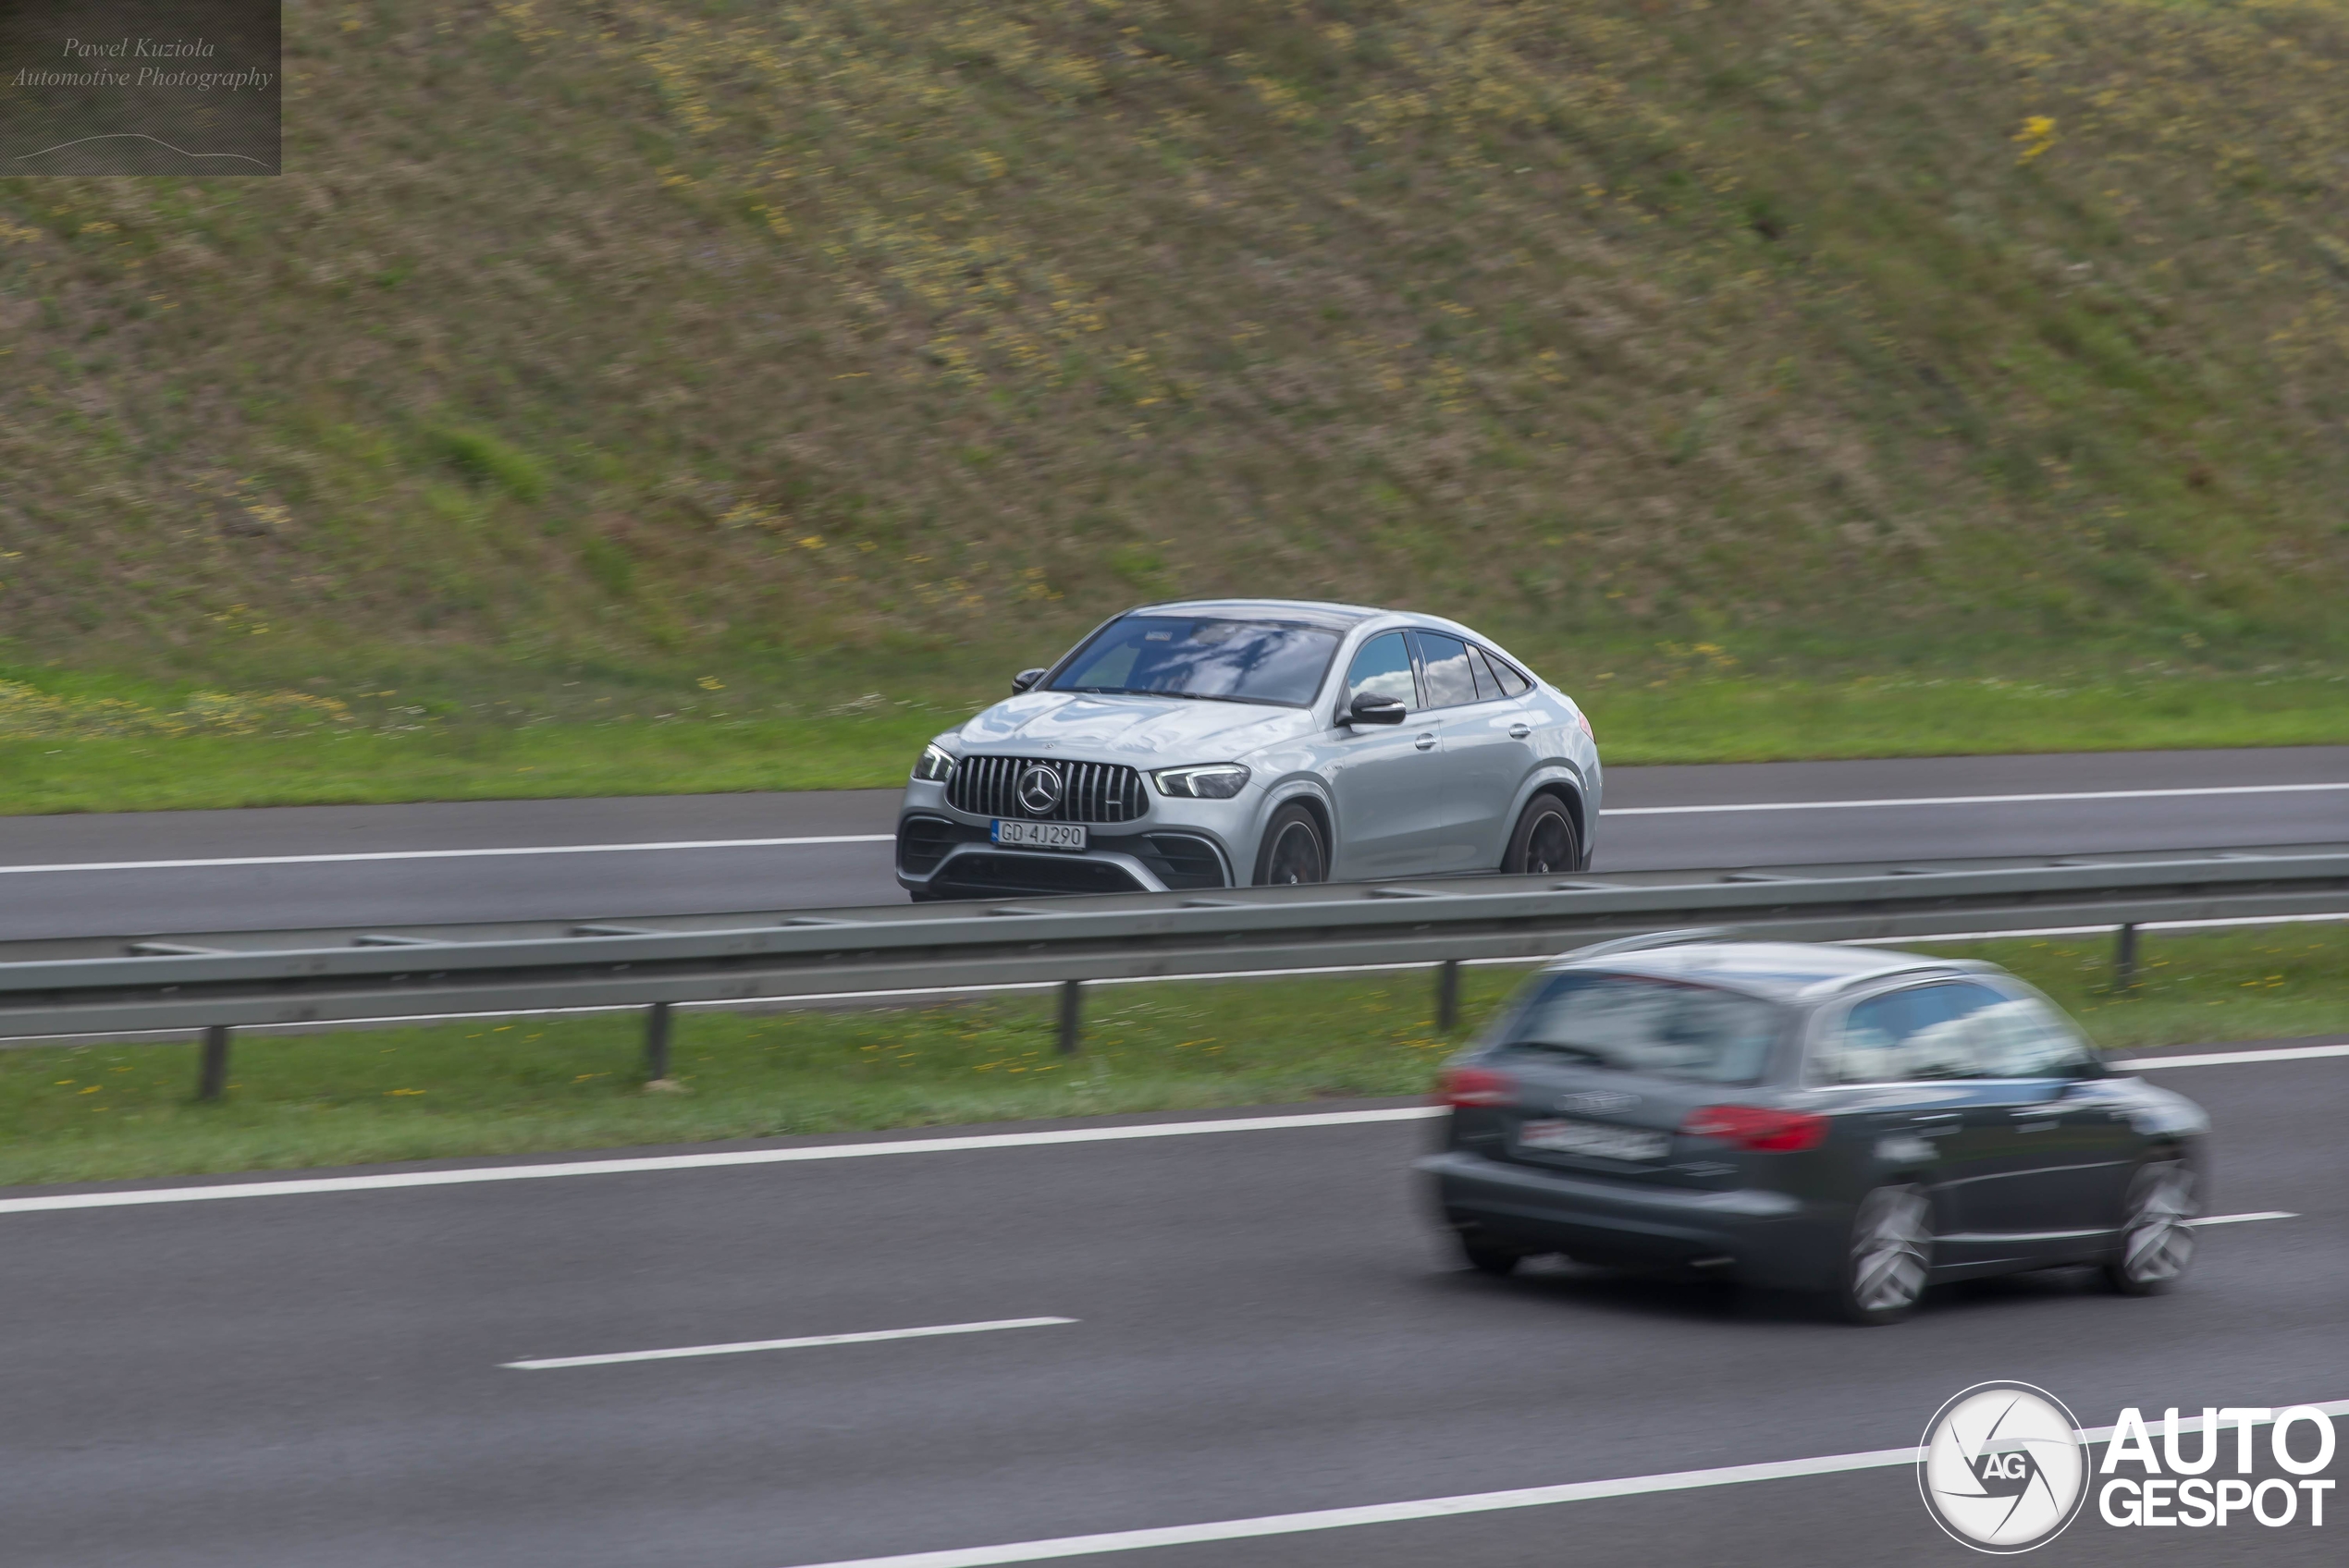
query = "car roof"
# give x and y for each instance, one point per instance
(1316, 612)
(1793, 971)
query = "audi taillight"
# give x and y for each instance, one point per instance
(1758, 1127)
(1474, 1086)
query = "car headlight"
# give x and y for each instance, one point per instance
(1209, 782)
(935, 765)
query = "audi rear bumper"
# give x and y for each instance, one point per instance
(1770, 1239)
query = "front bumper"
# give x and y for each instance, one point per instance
(1176, 846)
(1769, 1239)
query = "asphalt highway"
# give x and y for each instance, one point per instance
(165, 873)
(1263, 1323)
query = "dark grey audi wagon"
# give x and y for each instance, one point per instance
(1847, 1120)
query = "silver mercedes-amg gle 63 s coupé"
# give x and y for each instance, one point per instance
(1226, 743)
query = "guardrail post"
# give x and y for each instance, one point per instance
(212, 1074)
(1447, 995)
(656, 1043)
(2124, 959)
(1072, 1016)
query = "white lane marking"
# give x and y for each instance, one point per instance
(890, 838)
(447, 854)
(1977, 800)
(2230, 1059)
(471, 1174)
(1422, 1508)
(745, 1346)
(2243, 1219)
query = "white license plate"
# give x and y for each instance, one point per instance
(1039, 834)
(1594, 1138)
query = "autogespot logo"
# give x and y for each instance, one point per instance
(2002, 1468)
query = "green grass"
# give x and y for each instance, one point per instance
(101, 1111)
(708, 336)
(1685, 719)
(363, 766)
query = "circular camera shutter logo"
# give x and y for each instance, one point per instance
(1039, 789)
(2002, 1468)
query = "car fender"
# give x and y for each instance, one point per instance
(1549, 775)
(1280, 792)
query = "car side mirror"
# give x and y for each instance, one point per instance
(1025, 679)
(2087, 1069)
(1370, 708)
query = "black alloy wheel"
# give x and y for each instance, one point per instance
(1294, 853)
(1544, 842)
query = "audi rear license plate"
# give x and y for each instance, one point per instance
(1039, 834)
(1561, 1136)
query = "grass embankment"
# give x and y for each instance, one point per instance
(172, 753)
(500, 1088)
(628, 345)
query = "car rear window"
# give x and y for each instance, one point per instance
(1634, 1024)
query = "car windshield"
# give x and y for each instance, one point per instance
(1662, 1028)
(1207, 657)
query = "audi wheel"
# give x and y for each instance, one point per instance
(1890, 1257)
(2157, 1228)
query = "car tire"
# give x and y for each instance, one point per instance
(2156, 1231)
(1887, 1258)
(1544, 840)
(1294, 852)
(1490, 1258)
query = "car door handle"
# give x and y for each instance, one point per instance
(1425, 743)
(1520, 731)
(1938, 1123)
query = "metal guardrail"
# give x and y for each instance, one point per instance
(220, 983)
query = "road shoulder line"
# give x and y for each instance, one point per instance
(468, 1175)
(1422, 1508)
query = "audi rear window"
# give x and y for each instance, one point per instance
(1660, 1028)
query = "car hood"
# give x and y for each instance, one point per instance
(1153, 731)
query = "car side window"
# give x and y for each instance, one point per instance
(2023, 1038)
(1444, 660)
(1918, 1034)
(1512, 680)
(1487, 687)
(1382, 668)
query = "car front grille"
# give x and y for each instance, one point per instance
(1090, 791)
